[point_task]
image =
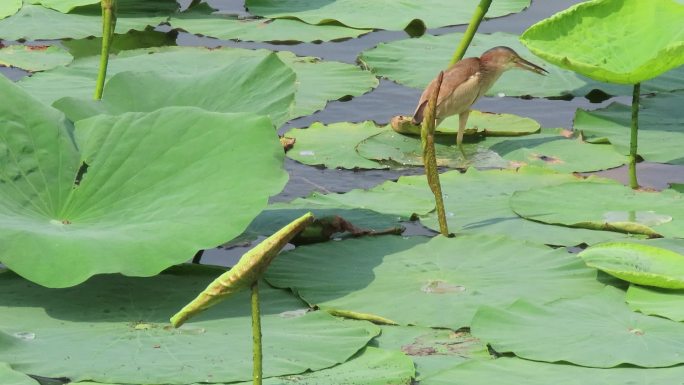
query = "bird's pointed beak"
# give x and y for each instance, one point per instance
(524, 64)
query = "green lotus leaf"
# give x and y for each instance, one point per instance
(9, 8)
(12, 377)
(432, 350)
(200, 21)
(29, 23)
(642, 264)
(555, 150)
(134, 193)
(617, 41)
(602, 206)
(115, 329)
(91, 46)
(63, 6)
(415, 62)
(660, 130)
(333, 145)
(515, 371)
(439, 283)
(261, 84)
(596, 330)
(318, 81)
(397, 150)
(380, 14)
(666, 303)
(34, 58)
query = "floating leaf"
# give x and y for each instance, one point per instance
(333, 145)
(248, 270)
(199, 20)
(617, 41)
(400, 150)
(63, 6)
(439, 283)
(260, 84)
(114, 329)
(415, 62)
(597, 330)
(666, 303)
(380, 14)
(12, 377)
(9, 8)
(91, 46)
(642, 264)
(29, 23)
(602, 206)
(660, 129)
(34, 58)
(514, 371)
(141, 192)
(318, 81)
(432, 350)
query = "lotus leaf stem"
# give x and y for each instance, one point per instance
(479, 14)
(108, 26)
(633, 183)
(427, 139)
(257, 372)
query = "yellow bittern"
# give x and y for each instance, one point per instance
(466, 81)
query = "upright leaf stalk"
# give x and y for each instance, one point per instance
(633, 183)
(427, 139)
(475, 21)
(108, 26)
(257, 371)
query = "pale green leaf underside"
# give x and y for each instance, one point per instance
(114, 329)
(391, 277)
(597, 330)
(618, 41)
(639, 263)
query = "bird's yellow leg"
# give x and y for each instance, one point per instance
(462, 120)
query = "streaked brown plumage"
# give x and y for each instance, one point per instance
(466, 81)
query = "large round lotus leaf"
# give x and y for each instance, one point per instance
(661, 133)
(12, 377)
(199, 20)
(400, 150)
(380, 14)
(617, 41)
(34, 58)
(261, 84)
(115, 329)
(642, 264)
(318, 81)
(439, 283)
(333, 145)
(603, 206)
(491, 124)
(666, 303)
(556, 150)
(415, 62)
(133, 194)
(9, 8)
(29, 23)
(597, 330)
(432, 350)
(514, 371)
